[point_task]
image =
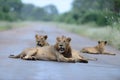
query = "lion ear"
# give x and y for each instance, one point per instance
(105, 42)
(58, 39)
(99, 42)
(68, 39)
(36, 36)
(45, 37)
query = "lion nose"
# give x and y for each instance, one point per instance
(61, 45)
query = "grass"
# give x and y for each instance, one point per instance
(110, 34)
(4, 25)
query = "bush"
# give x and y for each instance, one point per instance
(8, 16)
(95, 16)
(68, 18)
(1, 15)
(101, 18)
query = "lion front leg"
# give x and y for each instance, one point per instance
(61, 58)
(27, 57)
(82, 60)
(108, 53)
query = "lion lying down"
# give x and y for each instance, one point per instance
(61, 51)
(99, 49)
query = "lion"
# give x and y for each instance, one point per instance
(60, 52)
(99, 49)
(41, 40)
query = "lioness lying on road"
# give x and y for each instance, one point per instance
(99, 49)
(41, 40)
(57, 52)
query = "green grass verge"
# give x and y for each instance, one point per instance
(4, 25)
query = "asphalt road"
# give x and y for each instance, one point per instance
(14, 41)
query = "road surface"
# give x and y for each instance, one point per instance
(14, 41)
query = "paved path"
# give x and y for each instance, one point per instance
(14, 41)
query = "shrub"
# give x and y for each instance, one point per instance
(93, 16)
(101, 18)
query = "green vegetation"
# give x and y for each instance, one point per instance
(102, 12)
(15, 10)
(10, 9)
(5, 25)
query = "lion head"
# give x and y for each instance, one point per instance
(41, 40)
(63, 46)
(101, 45)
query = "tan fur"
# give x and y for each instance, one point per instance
(54, 53)
(41, 40)
(99, 49)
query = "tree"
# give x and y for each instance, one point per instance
(93, 4)
(102, 12)
(51, 12)
(10, 7)
(26, 11)
(31, 12)
(51, 9)
(116, 6)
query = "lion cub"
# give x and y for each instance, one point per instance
(41, 40)
(99, 49)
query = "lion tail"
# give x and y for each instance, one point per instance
(13, 56)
